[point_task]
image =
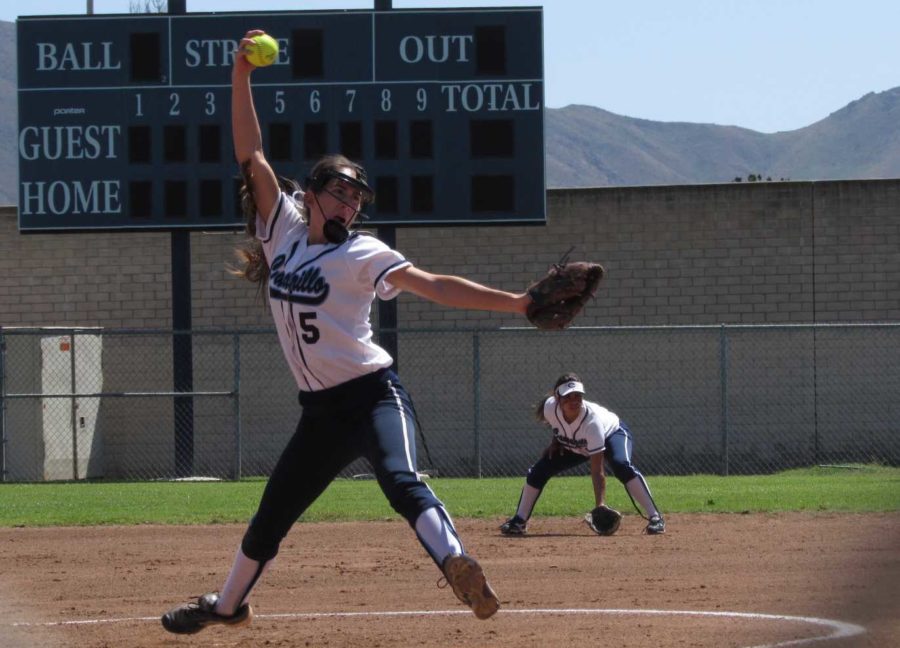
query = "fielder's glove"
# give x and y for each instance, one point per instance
(562, 293)
(603, 520)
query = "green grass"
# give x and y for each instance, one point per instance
(845, 489)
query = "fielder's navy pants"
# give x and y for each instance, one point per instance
(619, 447)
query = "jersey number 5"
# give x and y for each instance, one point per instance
(310, 332)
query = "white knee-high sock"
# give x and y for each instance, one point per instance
(639, 490)
(245, 572)
(527, 500)
(435, 530)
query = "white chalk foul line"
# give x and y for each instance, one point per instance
(839, 629)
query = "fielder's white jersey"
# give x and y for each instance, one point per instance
(587, 434)
(321, 297)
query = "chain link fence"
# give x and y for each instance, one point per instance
(140, 405)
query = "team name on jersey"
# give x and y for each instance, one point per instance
(567, 442)
(308, 286)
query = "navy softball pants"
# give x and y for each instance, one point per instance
(619, 447)
(371, 416)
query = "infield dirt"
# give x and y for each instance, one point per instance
(114, 582)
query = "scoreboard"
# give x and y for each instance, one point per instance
(124, 120)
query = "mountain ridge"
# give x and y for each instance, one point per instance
(589, 146)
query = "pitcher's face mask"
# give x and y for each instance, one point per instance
(345, 196)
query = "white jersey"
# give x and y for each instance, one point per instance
(587, 434)
(321, 297)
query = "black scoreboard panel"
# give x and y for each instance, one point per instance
(124, 121)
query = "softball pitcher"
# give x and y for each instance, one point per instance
(583, 431)
(321, 281)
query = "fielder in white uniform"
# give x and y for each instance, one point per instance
(321, 281)
(583, 431)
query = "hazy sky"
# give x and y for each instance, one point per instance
(768, 65)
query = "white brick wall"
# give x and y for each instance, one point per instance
(761, 253)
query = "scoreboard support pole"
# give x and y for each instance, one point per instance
(387, 310)
(182, 352)
(182, 341)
